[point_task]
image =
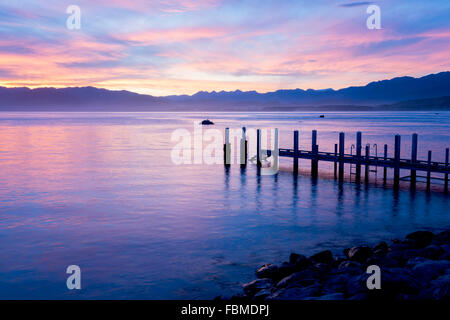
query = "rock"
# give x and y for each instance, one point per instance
(255, 286)
(322, 268)
(442, 237)
(332, 296)
(422, 238)
(428, 270)
(414, 261)
(323, 257)
(381, 247)
(383, 261)
(359, 297)
(285, 269)
(357, 284)
(267, 271)
(359, 254)
(336, 283)
(413, 253)
(439, 289)
(396, 281)
(262, 295)
(301, 278)
(351, 267)
(299, 261)
(295, 293)
(433, 252)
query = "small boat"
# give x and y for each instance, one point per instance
(207, 122)
(322, 116)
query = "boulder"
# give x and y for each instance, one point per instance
(301, 278)
(433, 252)
(267, 271)
(429, 270)
(262, 295)
(442, 237)
(381, 247)
(332, 296)
(323, 257)
(396, 281)
(359, 254)
(299, 261)
(351, 267)
(285, 269)
(257, 285)
(439, 289)
(295, 293)
(421, 238)
(411, 263)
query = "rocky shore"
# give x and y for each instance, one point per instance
(416, 268)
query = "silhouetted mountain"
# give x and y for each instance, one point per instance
(384, 94)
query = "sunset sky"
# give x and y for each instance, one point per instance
(184, 46)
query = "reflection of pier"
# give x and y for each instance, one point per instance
(371, 162)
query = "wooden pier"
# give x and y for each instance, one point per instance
(340, 158)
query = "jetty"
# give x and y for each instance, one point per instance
(360, 158)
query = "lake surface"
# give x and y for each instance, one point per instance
(100, 190)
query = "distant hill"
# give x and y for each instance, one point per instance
(403, 93)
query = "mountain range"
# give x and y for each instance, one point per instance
(431, 92)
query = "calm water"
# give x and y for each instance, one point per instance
(99, 190)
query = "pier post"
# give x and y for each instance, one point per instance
(314, 150)
(358, 156)
(295, 153)
(397, 160)
(446, 175)
(258, 148)
(341, 155)
(413, 159)
(366, 173)
(385, 159)
(429, 171)
(244, 152)
(335, 159)
(227, 148)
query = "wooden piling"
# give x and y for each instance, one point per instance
(227, 148)
(315, 151)
(244, 152)
(413, 159)
(358, 155)
(446, 175)
(397, 160)
(295, 164)
(335, 157)
(385, 159)
(341, 155)
(367, 167)
(429, 171)
(258, 148)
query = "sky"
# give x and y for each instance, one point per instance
(184, 46)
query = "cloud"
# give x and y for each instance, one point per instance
(356, 4)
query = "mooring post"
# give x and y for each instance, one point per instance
(446, 175)
(315, 150)
(385, 159)
(243, 148)
(341, 155)
(358, 156)
(295, 153)
(397, 160)
(258, 148)
(366, 173)
(227, 148)
(413, 159)
(335, 159)
(429, 171)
